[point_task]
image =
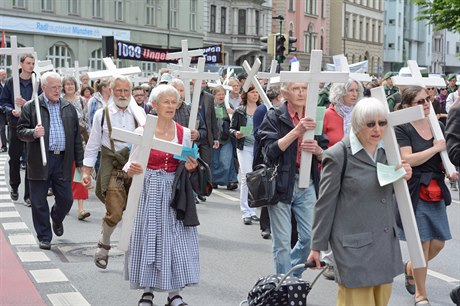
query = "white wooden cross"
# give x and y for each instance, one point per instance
(252, 79)
(112, 70)
(417, 79)
(227, 91)
(144, 141)
(313, 78)
(42, 66)
(73, 71)
(198, 76)
(269, 75)
(400, 187)
(341, 64)
(15, 51)
(177, 72)
(35, 85)
(136, 80)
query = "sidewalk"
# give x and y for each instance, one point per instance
(16, 288)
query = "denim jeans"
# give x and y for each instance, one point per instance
(302, 204)
(245, 158)
(222, 158)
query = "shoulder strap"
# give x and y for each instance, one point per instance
(109, 126)
(344, 167)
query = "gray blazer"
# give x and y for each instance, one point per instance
(356, 217)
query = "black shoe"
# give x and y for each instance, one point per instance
(27, 203)
(23, 166)
(265, 234)
(247, 220)
(14, 195)
(58, 228)
(255, 218)
(215, 186)
(196, 201)
(201, 198)
(232, 186)
(44, 245)
(2, 150)
(409, 287)
(455, 296)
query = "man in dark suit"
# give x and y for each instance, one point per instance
(61, 131)
(206, 110)
(453, 149)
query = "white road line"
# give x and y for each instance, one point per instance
(442, 276)
(48, 276)
(225, 196)
(455, 201)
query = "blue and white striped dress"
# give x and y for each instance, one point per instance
(164, 253)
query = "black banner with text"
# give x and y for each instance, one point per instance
(127, 50)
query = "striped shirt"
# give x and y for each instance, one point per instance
(57, 134)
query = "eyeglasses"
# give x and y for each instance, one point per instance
(422, 101)
(298, 90)
(169, 102)
(372, 124)
(140, 95)
(443, 89)
(56, 87)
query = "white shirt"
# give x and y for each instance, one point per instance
(451, 99)
(118, 119)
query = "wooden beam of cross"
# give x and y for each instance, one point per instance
(136, 80)
(269, 75)
(227, 91)
(198, 76)
(343, 66)
(400, 187)
(295, 67)
(177, 69)
(186, 54)
(144, 142)
(14, 51)
(252, 79)
(418, 79)
(35, 86)
(313, 78)
(42, 67)
(112, 70)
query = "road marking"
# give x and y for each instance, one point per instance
(8, 226)
(9, 214)
(32, 256)
(22, 239)
(225, 196)
(68, 298)
(455, 201)
(442, 276)
(49, 276)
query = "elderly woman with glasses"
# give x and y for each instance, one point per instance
(164, 253)
(429, 193)
(355, 215)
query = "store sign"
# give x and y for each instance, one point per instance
(59, 29)
(127, 50)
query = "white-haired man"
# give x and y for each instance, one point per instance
(61, 131)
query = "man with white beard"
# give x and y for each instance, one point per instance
(112, 184)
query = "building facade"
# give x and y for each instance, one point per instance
(357, 31)
(238, 26)
(71, 30)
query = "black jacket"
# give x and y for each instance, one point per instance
(73, 145)
(239, 119)
(276, 125)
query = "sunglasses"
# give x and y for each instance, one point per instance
(430, 88)
(422, 101)
(443, 89)
(371, 124)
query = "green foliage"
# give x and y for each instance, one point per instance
(442, 14)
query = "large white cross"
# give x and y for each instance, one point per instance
(417, 79)
(400, 187)
(42, 66)
(341, 64)
(186, 55)
(14, 51)
(177, 72)
(144, 142)
(313, 78)
(269, 75)
(112, 69)
(252, 79)
(198, 76)
(73, 71)
(227, 89)
(35, 85)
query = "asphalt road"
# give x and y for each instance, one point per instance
(233, 256)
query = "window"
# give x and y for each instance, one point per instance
(311, 7)
(97, 8)
(95, 61)
(379, 38)
(173, 18)
(20, 4)
(148, 68)
(391, 46)
(59, 54)
(291, 5)
(212, 25)
(457, 48)
(74, 7)
(310, 39)
(373, 32)
(322, 10)
(151, 12)
(361, 30)
(119, 10)
(399, 43)
(367, 31)
(223, 20)
(193, 6)
(242, 22)
(257, 22)
(47, 5)
(353, 29)
(392, 21)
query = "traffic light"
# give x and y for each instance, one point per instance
(270, 41)
(280, 48)
(290, 47)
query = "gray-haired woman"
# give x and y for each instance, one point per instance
(355, 214)
(164, 253)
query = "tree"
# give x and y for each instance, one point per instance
(442, 14)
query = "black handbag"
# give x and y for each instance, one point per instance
(262, 186)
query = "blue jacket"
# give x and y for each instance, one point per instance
(7, 97)
(276, 125)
